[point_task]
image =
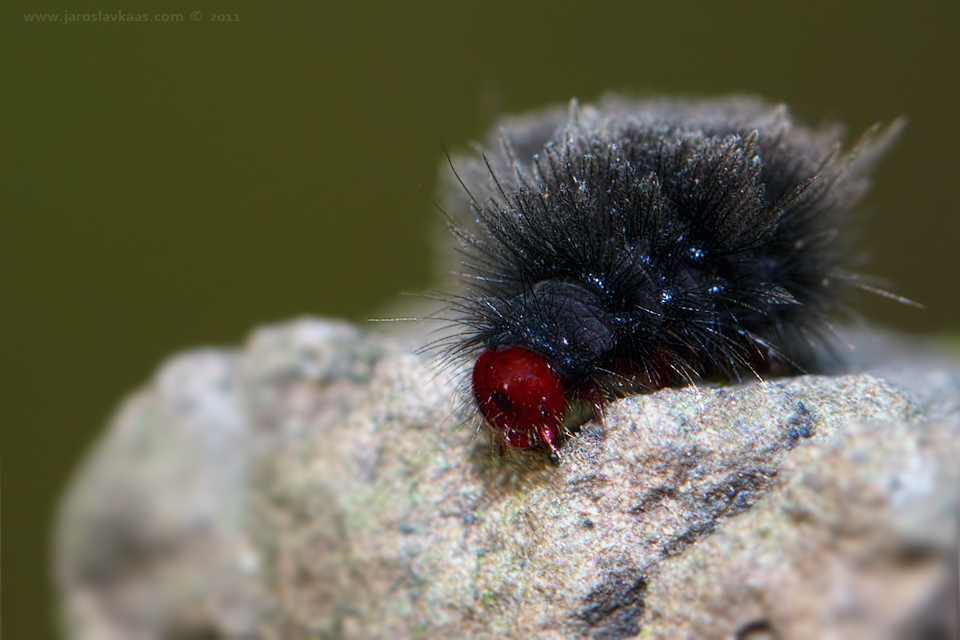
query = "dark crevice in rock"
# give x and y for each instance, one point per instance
(614, 607)
(733, 496)
(652, 499)
(757, 630)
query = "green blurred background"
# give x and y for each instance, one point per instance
(169, 185)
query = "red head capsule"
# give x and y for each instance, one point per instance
(521, 397)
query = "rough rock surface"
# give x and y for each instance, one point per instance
(316, 485)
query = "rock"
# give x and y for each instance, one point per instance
(326, 482)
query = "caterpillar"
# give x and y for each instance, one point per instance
(630, 246)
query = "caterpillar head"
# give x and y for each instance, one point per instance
(521, 397)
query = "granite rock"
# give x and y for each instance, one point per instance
(327, 482)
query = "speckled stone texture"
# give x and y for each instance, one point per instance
(325, 482)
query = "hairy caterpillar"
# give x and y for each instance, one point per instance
(632, 246)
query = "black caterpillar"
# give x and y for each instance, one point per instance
(633, 246)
